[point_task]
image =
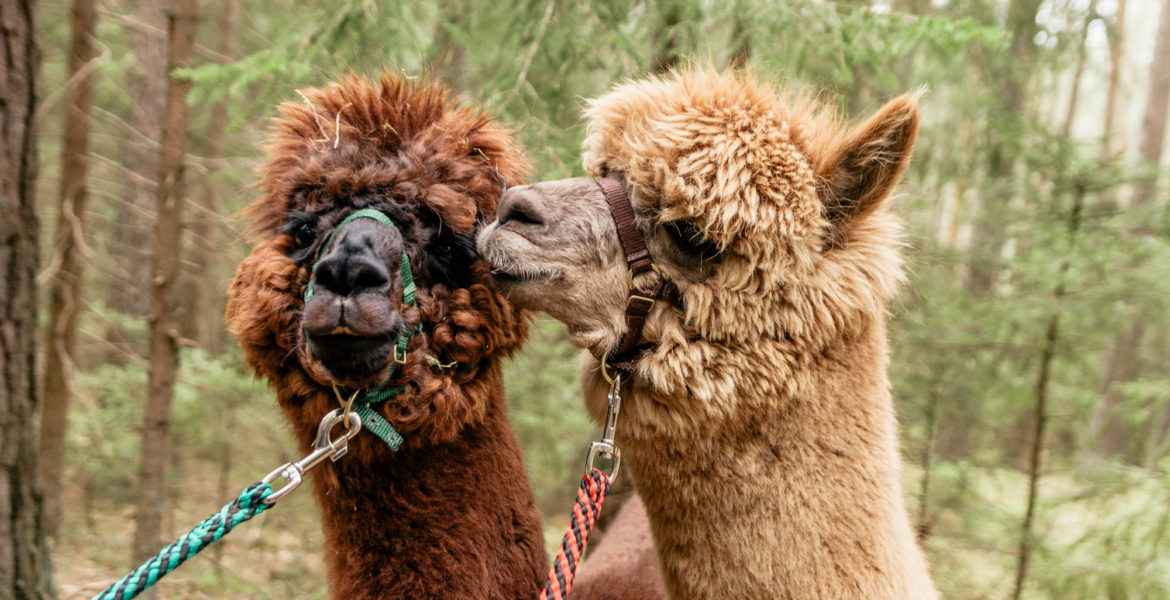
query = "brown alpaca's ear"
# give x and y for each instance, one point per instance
(864, 169)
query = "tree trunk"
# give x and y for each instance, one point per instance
(1121, 365)
(164, 322)
(925, 520)
(741, 40)
(65, 287)
(1075, 93)
(1157, 99)
(24, 556)
(1011, 83)
(129, 287)
(1161, 428)
(1040, 415)
(206, 220)
(1117, 35)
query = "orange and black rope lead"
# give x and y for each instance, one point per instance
(594, 486)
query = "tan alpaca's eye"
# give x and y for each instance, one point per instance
(690, 240)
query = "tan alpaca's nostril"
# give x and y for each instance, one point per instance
(519, 205)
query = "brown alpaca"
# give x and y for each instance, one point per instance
(451, 514)
(758, 428)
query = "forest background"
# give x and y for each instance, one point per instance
(1031, 342)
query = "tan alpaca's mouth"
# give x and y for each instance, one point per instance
(505, 251)
(527, 275)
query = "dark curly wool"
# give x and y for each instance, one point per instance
(451, 515)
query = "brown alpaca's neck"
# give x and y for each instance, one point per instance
(451, 520)
(795, 495)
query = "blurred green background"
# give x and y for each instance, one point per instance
(1037, 246)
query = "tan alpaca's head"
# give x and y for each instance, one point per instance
(773, 222)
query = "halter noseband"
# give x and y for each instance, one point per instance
(639, 303)
(382, 391)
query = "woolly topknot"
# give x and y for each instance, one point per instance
(394, 136)
(796, 202)
(719, 149)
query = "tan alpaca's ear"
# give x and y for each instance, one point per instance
(864, 169)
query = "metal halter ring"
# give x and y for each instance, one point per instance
(605, 368)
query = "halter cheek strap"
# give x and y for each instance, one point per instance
(640, 301)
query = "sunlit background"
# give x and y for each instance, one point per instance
(1037, 246)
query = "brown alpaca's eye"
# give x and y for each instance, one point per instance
(303, 235)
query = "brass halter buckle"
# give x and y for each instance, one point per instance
(606, 447)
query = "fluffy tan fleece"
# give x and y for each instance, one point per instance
(760, 430)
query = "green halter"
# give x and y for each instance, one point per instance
(382, 391)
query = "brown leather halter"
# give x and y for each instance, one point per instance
(624, 358)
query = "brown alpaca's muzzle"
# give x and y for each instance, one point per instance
(350, 319)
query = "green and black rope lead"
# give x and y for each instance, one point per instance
(251, 500)
(249, 504)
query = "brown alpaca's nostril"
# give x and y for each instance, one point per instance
(517, 205)
(347, 274)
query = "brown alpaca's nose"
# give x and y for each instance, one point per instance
(519, 205)
(353, 265)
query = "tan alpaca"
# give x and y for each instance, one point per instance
(759, 429)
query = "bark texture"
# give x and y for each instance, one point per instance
(65, 289)
(164, 324)
(24, 557)
(209, 333)
(1157, 99)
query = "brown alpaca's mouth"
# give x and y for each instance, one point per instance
(350, 357)
(353, 337)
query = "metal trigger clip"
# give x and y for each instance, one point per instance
(607, 447)
(323, 448)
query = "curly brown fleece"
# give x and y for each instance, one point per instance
(451, 515)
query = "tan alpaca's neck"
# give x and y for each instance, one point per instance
(796, 495)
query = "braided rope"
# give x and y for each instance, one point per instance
(594, 486)
(249, 504)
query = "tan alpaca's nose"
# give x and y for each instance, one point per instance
(520, 205)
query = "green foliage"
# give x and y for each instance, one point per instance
(545, 403)
(988, 202)
(215, 403)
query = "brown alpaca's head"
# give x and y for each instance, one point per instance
(772, 221)
(435, 168)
